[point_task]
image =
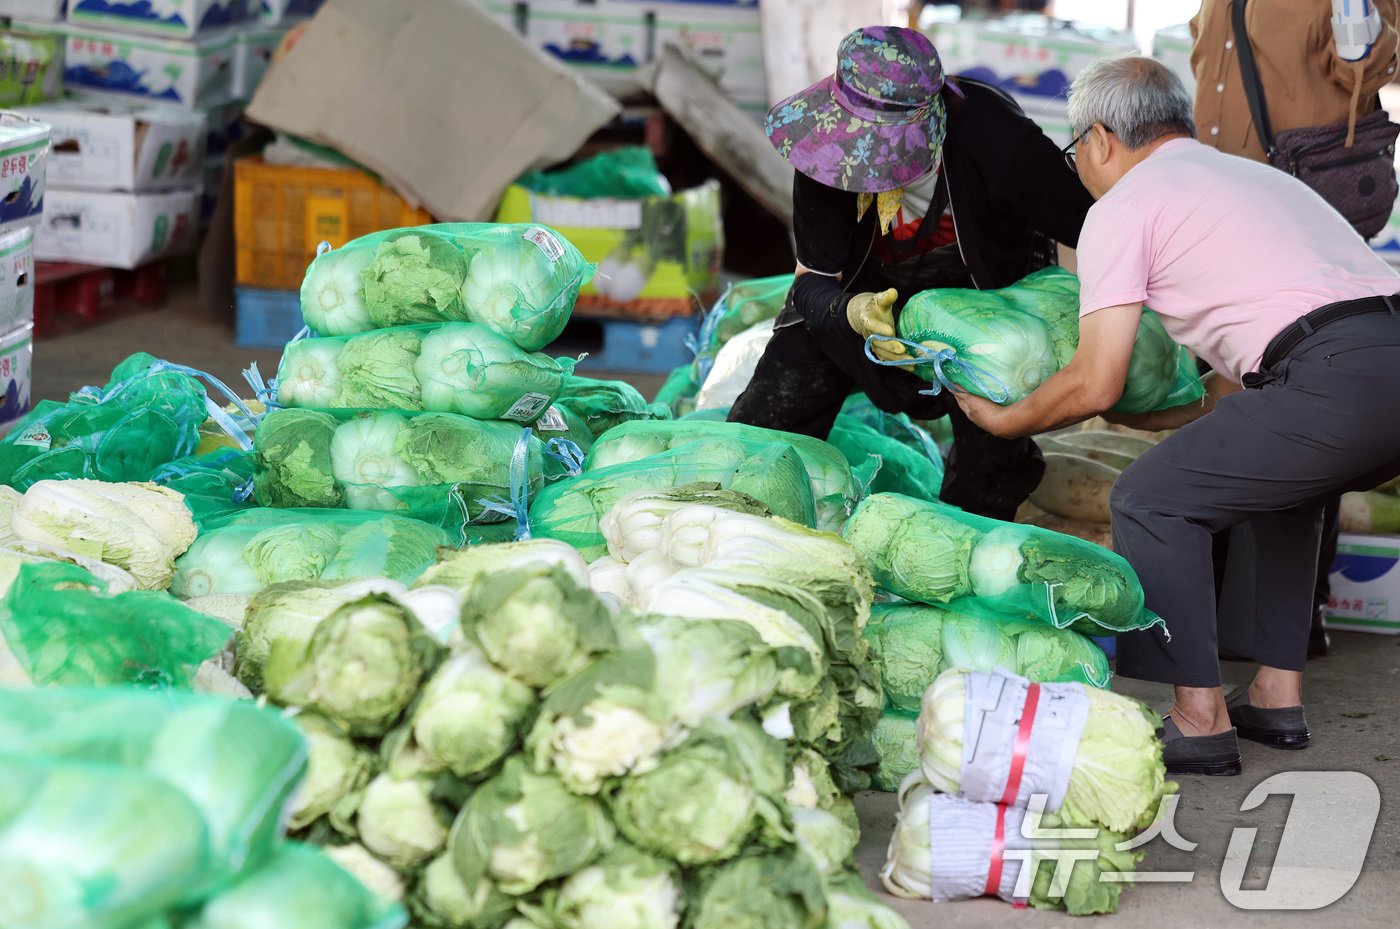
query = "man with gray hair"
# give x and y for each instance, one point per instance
(1300, 323)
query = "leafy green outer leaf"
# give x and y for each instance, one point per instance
(293, 461)
(522, 829)
(768, 891)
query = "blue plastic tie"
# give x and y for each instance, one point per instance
(567, 453)
(243, 491)
(264, 391)
(518, 507)
(940, 358)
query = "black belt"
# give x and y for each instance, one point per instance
(1288, 339)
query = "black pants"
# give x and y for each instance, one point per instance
(1316, 424)
(802, 380)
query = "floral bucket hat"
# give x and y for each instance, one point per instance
(876, 124)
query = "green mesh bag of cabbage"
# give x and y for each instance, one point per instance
(913, 643)
(934, 553)
(214, 485)
(519, 281)
(605, 404)
(445, 368)
(254, 548)
(772, 473)
(225, 771)
(441, 468)
(1003, 344)
(835, 490)
(905, 455)
(63, 627)
(145, 416)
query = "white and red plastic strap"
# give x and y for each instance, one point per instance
(1020, 739)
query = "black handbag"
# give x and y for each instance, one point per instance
(1351, 164)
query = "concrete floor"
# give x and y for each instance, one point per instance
(1351, 707)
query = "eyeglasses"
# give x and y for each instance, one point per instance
(1068, 150)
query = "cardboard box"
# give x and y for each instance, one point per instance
(24, 161)
(253, 56)
(609, 40)
(404, 95)
(195, 74)
(16, 364)
(1031, 54)
(179, 18)
(16, 279)
(1365, 582)
(123, 147)
(652, 254)
(272, 12)
(116, 230)
(1172, 47)
(42, 11)
(31, 68)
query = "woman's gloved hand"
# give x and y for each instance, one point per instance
(873, 314)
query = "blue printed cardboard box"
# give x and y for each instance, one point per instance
(24, 160)
(1365, 584)
(16, 359)
(182, 18)
(193, 75)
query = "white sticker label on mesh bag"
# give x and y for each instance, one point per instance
(35, 436)
(995, 705)
(552, 421)
(526, 408)
(546, 241)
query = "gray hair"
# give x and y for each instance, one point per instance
(1139, 99)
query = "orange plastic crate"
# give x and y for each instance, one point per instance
(281, 214)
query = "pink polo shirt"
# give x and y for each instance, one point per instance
(1227, 251)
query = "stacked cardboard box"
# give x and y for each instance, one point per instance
(24, 147)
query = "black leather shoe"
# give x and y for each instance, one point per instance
(1283, 727)
(1216, 755)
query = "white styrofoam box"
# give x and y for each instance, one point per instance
(194, 74)
(1172, 47)
(24, 159)
(253, 56)
(1030, 53)
(1365, 584)
(116, 230)
(182, 18)
(123, 146)
(42, 11)
(280, 11)
(16, 365)
(16, 279)
(728, 40)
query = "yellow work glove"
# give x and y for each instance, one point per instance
(873, 314)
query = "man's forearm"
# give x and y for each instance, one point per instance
(1067, 397)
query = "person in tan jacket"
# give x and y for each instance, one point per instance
(1314, 74)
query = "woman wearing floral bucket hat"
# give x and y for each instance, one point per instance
(906, 181)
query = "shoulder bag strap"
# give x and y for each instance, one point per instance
(1253, 87)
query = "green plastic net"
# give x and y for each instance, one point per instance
(1003, 344)
(908, 459)
(63, 628)
(835, 489)
(741, 307)
(521, 281)
(146, 416)
(235, 762)
(603, 405)
(441, 468)
(300, 886)
(938, 554)
(914, 643)
(445, 368)
(770, 472)
(627, 173)
(215, 485)
(679, 391)
(258, 547)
